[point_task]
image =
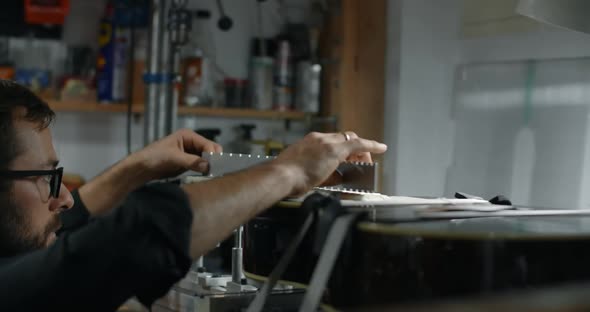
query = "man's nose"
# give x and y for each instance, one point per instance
(64, 201)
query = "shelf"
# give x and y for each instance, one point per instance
(91, 107)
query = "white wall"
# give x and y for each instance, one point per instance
(423, 50)
(419, 81)
(570, 124)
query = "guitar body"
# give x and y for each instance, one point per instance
(383, 262)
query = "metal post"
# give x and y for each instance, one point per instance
(237, 272)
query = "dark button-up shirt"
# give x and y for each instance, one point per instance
(140, 249)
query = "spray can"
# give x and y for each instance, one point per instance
(113, 59)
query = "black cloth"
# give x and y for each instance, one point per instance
(140, 249)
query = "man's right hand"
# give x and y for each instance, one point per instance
(314, 159)
(175, 154)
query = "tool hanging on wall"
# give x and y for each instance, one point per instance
(224, 23)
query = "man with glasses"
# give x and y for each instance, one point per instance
(117, 237)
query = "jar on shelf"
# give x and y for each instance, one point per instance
(235, 92)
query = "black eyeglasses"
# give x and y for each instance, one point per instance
(54, 176)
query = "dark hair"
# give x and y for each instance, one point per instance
(13, 96)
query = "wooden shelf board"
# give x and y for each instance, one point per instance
(91, 107)
(84, 106)
(238, 112)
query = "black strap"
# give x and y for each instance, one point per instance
(331, 228)
(328, 257)
(258, 303)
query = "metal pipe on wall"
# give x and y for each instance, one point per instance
(176, 82)
(179, 27)
(153, 76)
(168, 33)
(163, 118)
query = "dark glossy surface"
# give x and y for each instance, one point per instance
(418, 261)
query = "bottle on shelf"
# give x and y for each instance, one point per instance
(283, 76)
(114, 44)
(202, 78)
(261, 75)
(195, 75)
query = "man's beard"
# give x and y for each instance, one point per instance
(16, 235)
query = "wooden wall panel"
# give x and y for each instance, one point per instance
(354, 43)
